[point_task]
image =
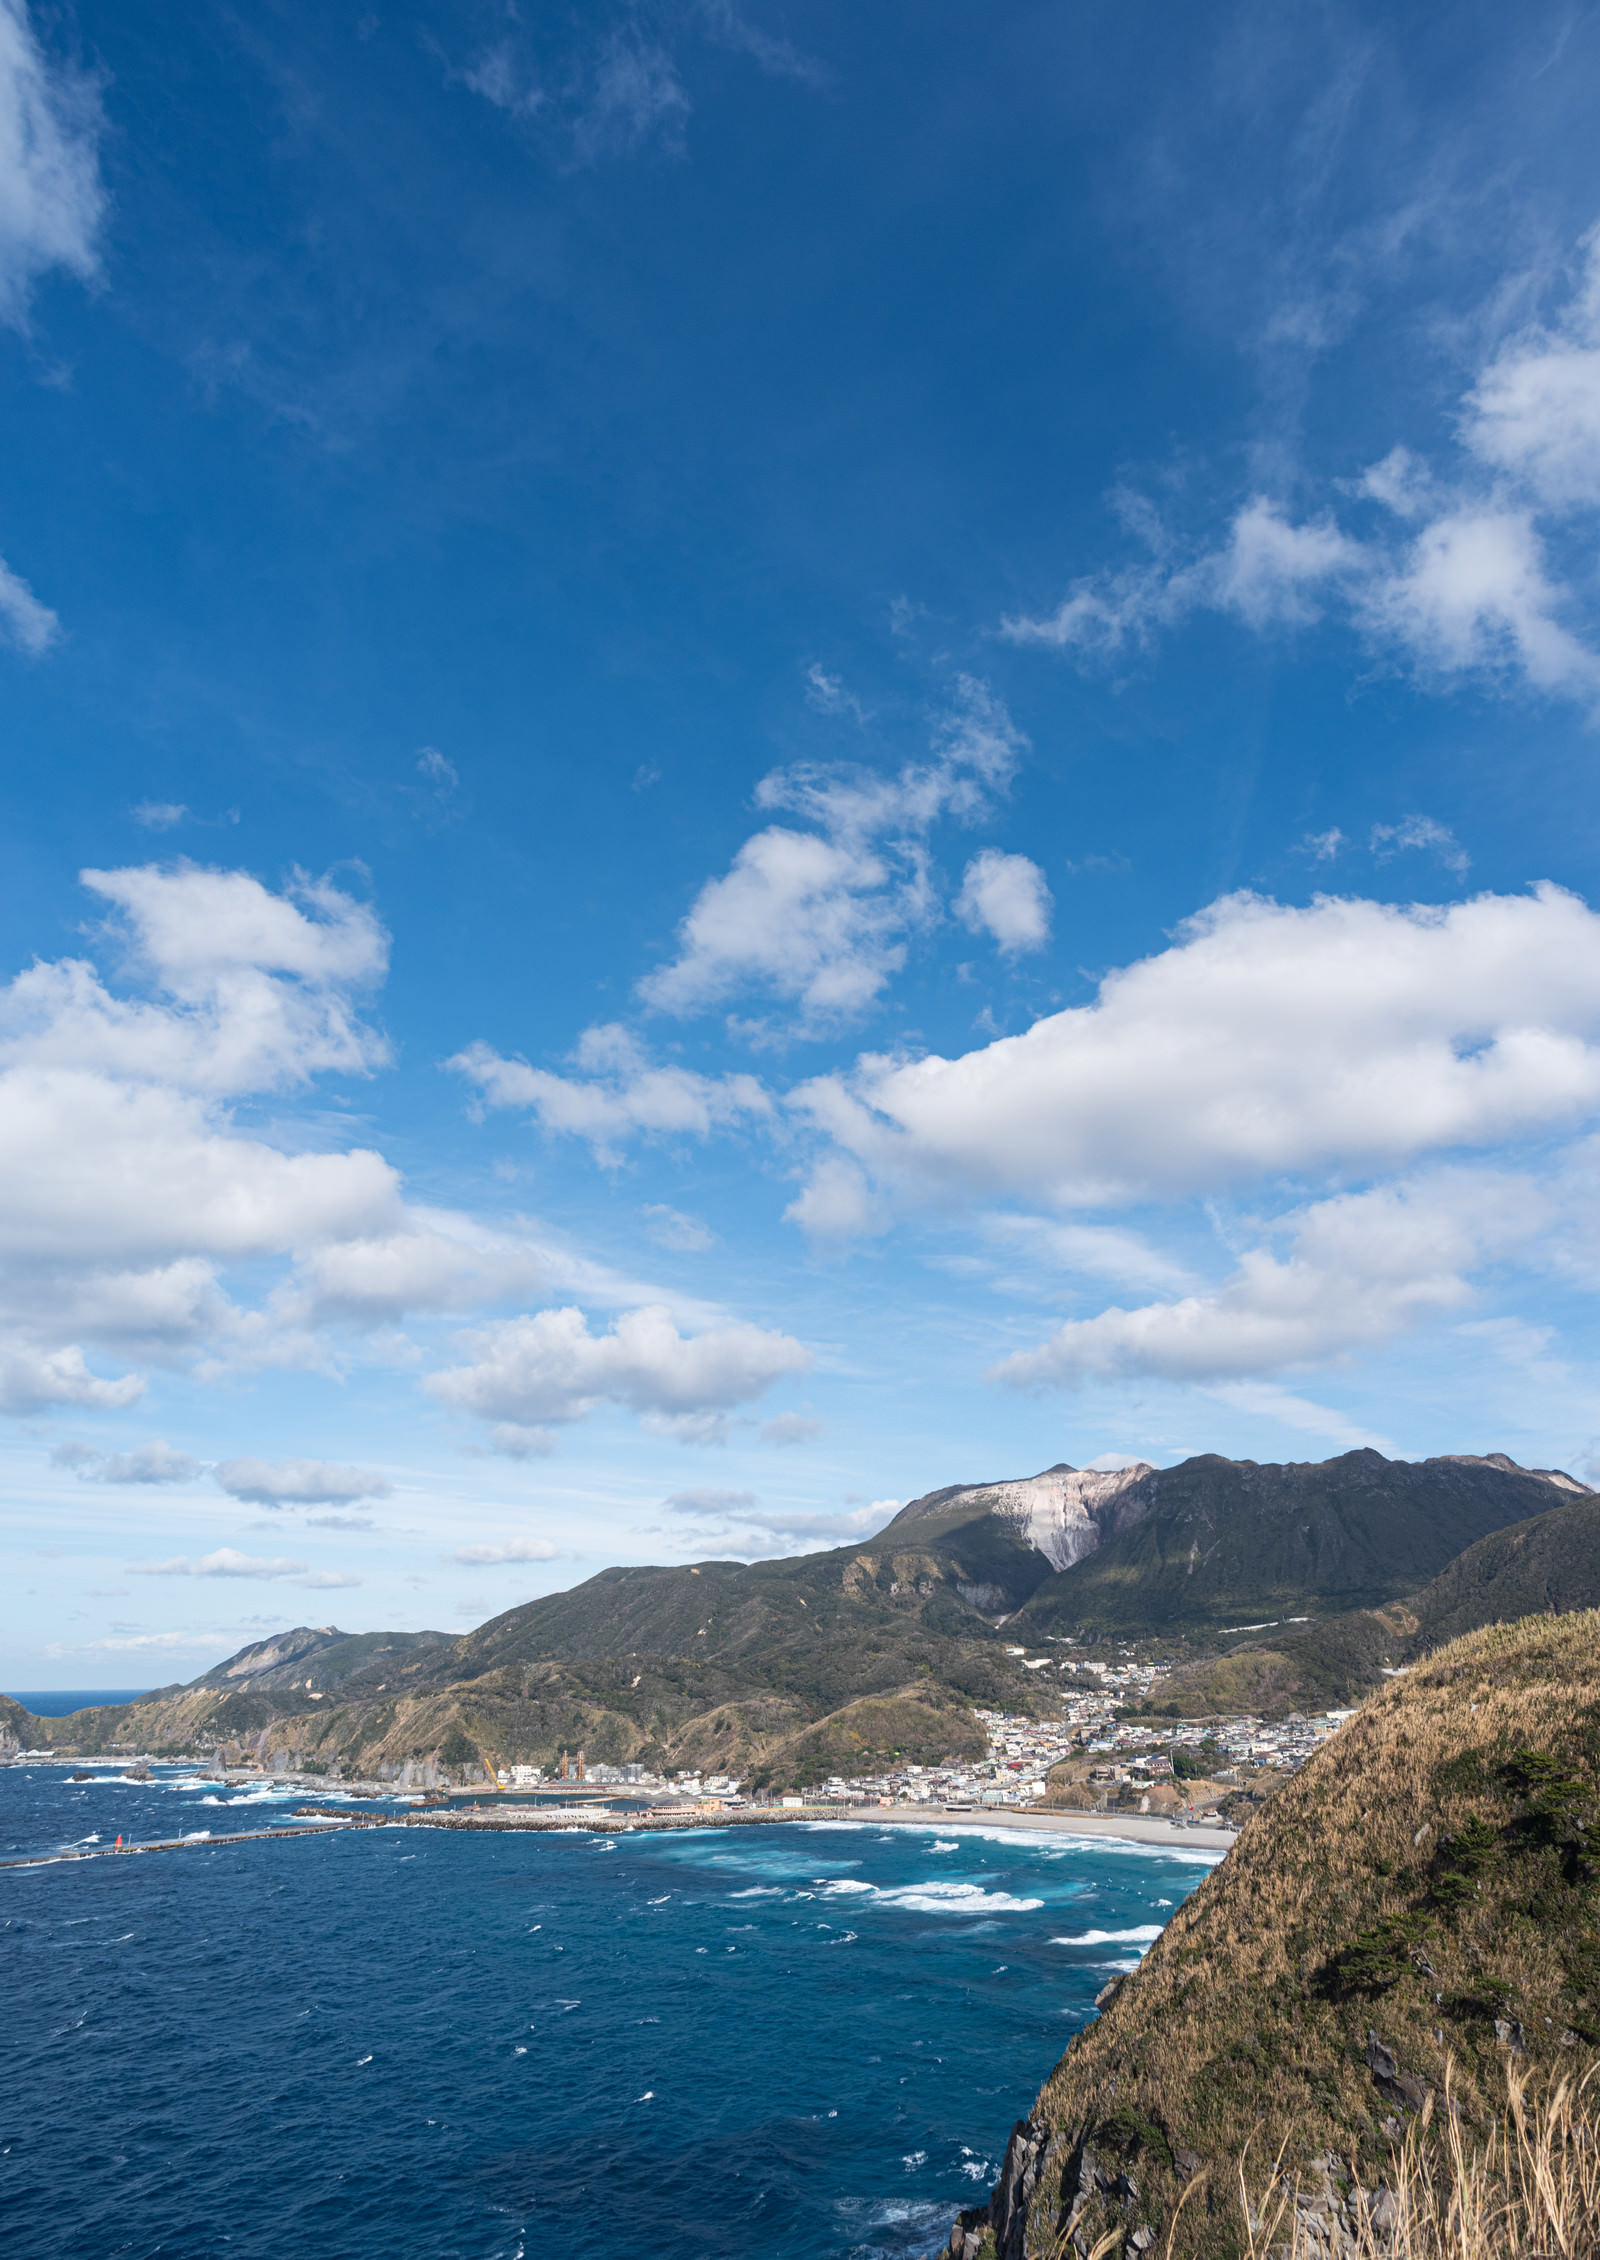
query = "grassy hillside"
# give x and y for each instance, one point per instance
(1217, 1543)
(1423, 1896)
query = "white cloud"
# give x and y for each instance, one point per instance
(816, 920)
(1421, 832)
(1534, 414)
(708, 1502)
(440, 771)
(636, 95)
(51, 199)
(513, 1550)
(300, 1483)
(124, 1183)
(836, 1202)
(1266, 1039)
(146, 1463)
(499, 78)
(1472, 594)
(513, 1441)
(1096, 1251)
(732, 1515)
(1005, 896)
(672, 1228)
(25, 622)
(225, 1562)
(820, 918)
(547, 1366)
(1460, 582)
(32, 1380)
(616, 1092)
(1361, 1268)
(1264, 1400)
(160, 815)
(1268, 571)
(830, 695)
(790, 1428)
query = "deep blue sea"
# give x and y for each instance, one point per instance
(61, 1702)
(805, 2042)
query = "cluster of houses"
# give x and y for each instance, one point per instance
(1121, 1760)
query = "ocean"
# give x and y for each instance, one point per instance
(61, 1702)
(804, 2042)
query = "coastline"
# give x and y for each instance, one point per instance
(1137, 1828)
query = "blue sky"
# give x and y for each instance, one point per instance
(759, 757)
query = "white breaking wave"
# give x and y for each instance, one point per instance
(938, 1898)
(1142, 1936)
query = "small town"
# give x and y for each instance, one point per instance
(1093, 1759)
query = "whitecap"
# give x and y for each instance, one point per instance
(1143, 1934)
(956, 1899)
(756, 1891)
(941, 1844)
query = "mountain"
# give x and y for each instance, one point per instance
(787, 1670)
(1212, 1542)
(1547, 1565)
(1418, 1902)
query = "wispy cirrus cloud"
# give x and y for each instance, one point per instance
(1475, 573)
(52, 200)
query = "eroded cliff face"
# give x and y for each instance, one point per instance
(1065, 1512)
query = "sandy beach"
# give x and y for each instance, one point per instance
(1141, 1828)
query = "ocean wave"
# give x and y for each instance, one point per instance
(756, 1891)
(1144, 1933)
(941, 1898)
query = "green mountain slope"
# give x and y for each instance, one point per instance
(1424, 1893)
(763, 1666)
(1550, 1563)
(1215, 1543)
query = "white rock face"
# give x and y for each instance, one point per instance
(1062, 1513)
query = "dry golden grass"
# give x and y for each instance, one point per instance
(1352, 1956)
(1530, 2191)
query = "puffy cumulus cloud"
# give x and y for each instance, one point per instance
(1473, 593)
(547, 1366)
(1534, 413)
(34, 1380)
(511, 1550)
(1360, 1268)
(52, 203)
(254, 990)
(820, 918)
(126, 1186)
(226, 1561)
(1348, 1034)
(1005, 896)
(300, 1483)
(616, 1092)
(1458, 577)
(146, 1463)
